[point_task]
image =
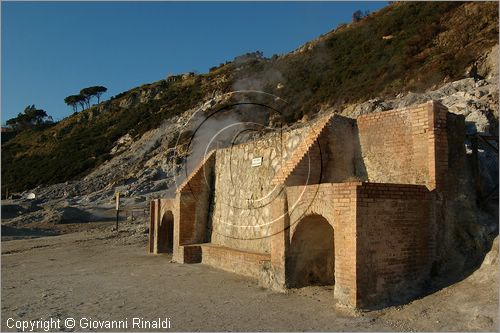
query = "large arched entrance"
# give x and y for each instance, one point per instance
(311, 259)
(166, 233)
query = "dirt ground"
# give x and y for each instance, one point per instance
(102, 275)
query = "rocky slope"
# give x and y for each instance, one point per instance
(408, 46)
(151, 165)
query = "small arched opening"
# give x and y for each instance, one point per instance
(311, 259)
(166, 233)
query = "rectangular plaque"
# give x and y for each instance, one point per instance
(257, 161)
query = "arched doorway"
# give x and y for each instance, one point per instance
(311, 259)
(166, 233)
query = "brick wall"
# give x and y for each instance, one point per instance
(196, 180)
(393, 242)
(438, 145)
(340, 147)
(192, 254)
(193, 199)
(298, 157)
(458, 179)
(328, 155)
(237, 261)
(152, 223)
(158, 209)
(337, 204)
(309, 170)
(233, 260)
(382, 236)
(344, 214)
(407, 146)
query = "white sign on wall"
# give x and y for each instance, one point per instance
(257, 161)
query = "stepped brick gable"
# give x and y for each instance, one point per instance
(352, 203)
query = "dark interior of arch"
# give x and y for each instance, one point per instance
(166, 233)
(312, 258)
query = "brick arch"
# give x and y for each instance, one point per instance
(311, 255)
(166, 232)
(311, 200)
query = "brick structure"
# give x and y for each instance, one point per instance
(350, 203)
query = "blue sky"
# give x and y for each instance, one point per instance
(51, 50)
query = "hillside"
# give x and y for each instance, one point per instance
(405, 47)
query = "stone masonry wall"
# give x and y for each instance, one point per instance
(241, 217)
(242, 212)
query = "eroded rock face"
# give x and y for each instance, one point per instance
(476, 100)
(128, 102)
(478, 122)
(488, 64)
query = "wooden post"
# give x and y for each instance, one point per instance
(117, 208)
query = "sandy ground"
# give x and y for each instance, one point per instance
(104, 276)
